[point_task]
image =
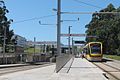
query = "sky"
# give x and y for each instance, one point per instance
(26, 15)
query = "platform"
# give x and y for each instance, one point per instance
(80, 69)
(12, 65)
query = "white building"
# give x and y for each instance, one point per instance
(20, 41)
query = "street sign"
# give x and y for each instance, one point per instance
(74, 35)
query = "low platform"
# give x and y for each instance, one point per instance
(12, 65)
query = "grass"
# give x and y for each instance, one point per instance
(31, 50)
(112, 57)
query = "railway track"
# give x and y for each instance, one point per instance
(4, 71)
(112, 72)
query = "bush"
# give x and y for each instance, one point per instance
(118, 51)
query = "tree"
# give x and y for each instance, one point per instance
(47, 48)
(4, 25)
(107, 28)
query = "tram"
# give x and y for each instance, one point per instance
(93, 51)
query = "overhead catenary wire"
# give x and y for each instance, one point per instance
(87, 4)
(35, 18)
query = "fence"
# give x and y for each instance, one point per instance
(23, 57)
(62, 60)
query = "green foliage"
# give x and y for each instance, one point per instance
(31, 50)
(4, 25)
(112, 57)
(107, 28)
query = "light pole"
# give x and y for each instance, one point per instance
(69, 28)
(59, 27)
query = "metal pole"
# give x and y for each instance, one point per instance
(58, 27)
(34, 48)
(4, 46)
(69, 39)
(34, 44)
(72, 46)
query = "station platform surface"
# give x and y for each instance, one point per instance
(80, 69)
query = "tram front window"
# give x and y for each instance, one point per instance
(95, 49)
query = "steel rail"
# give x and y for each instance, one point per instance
(108, 72)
